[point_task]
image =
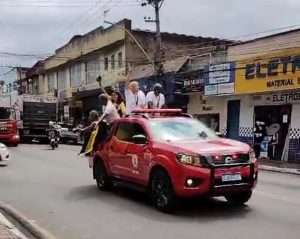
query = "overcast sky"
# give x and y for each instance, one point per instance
(41, 26)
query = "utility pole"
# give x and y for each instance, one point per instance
(157, 4)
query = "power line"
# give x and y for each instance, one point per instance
(60, 4)
(6, 73)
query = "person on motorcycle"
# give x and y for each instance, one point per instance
(53, 134)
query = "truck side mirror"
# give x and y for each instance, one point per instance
(139, 139)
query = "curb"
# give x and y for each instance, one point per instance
(28, 224)
(279, 170)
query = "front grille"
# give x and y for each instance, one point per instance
(227, 159)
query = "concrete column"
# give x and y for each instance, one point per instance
(55, 80)
(46, 84)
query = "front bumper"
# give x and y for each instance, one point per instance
(10, 138)
(209, 180)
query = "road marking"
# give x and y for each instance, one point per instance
(278, 197)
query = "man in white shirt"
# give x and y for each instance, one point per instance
(135, 98)
(110, 112)
(155, 98)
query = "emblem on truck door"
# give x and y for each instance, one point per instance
(134, 161)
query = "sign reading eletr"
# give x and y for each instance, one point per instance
(272, 68)
(275, 72)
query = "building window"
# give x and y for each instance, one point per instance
(92, 71)
(120, 59)
(51, 82)
(112, 62)
(75, 75)
(106, 63)
(62, 79)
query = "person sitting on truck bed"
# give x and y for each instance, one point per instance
(93, 119)
(110, 113)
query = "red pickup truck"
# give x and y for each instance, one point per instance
(171, 155)
(8, 127)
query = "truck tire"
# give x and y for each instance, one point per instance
(103, 181)
(238, 199)
(162, 193)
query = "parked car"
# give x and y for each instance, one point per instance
(170, 156)
(4, 154)
(68, 135)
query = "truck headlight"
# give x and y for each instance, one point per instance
(252, 157)
(189, 159)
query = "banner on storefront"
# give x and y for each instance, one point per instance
(273, 72)
(192, 81)
(220, 80)
(278, 98)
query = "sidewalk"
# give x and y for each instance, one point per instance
(5, 233)
(279, 166)
(8, 230)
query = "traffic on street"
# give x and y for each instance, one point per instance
(56, 189)
(149, 119)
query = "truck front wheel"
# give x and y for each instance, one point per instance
(238, 199)
(162, 194)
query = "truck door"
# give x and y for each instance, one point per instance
(139, 154)
(118, 158)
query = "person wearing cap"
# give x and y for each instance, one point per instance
(155, 98)
(135, 98)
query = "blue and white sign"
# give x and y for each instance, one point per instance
(211, 90)
(220, 79)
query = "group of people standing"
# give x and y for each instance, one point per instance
(115, 107)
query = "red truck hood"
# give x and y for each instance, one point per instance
(208, 147)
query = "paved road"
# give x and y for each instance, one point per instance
(55, 189)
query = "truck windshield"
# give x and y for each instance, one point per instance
(180, 129)
(5, 113)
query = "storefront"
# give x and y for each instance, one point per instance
(208, 102)
(85, 101)
(268, 88)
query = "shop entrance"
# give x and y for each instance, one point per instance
(233, 119)
(271, 127)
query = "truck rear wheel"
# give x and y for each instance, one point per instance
(102, 179)
(238, 199)
(162, 193)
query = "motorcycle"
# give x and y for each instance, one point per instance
(53, 135)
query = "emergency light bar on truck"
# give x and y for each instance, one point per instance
(152, 113)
